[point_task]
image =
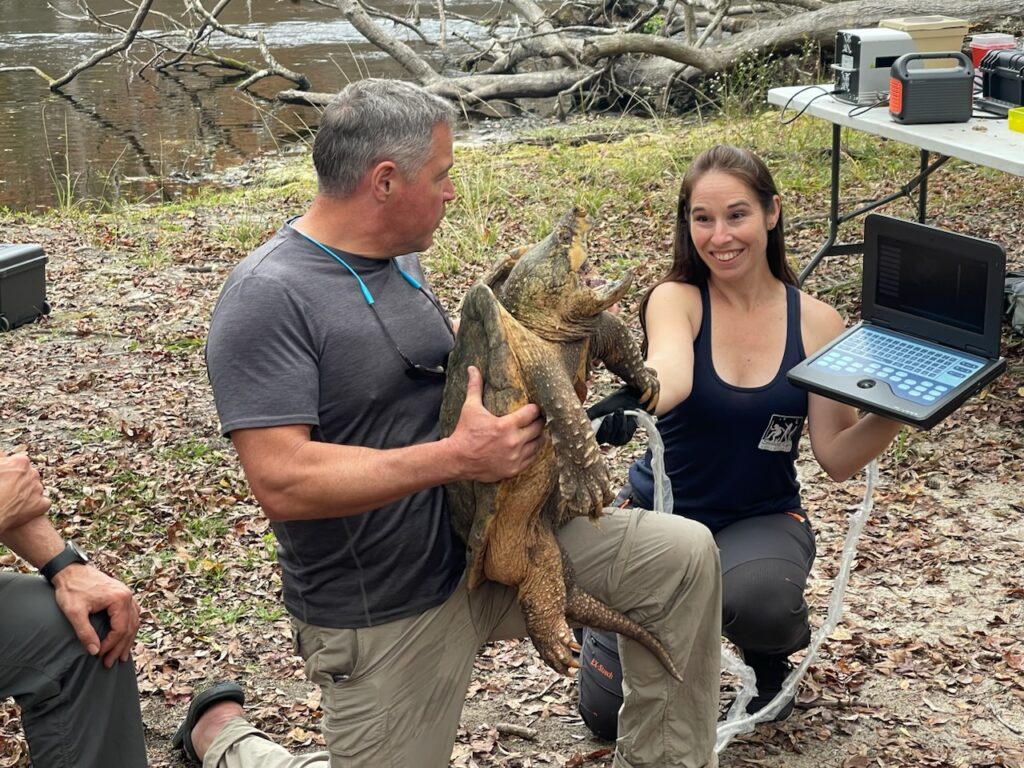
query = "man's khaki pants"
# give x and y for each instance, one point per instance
(393, 694)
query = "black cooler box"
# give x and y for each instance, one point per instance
(22, 285)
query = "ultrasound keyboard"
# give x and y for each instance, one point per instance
(914, 371)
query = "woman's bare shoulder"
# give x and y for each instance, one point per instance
(672, 292)
(819, 322)
(673, 300)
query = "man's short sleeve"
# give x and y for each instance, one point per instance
(261, 356)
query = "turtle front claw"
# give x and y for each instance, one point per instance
(650, 388)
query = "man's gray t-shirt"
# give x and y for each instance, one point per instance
(294, 341)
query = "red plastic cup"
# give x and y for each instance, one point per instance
(988, 41)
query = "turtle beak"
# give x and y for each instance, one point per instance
(610, 293)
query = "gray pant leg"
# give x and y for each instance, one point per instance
(76, 712)
(765, 564)
(392, 694)
(240, 745)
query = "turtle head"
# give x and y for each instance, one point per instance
(551, 290)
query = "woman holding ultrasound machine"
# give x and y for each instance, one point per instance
(721, 329)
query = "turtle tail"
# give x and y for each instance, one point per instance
(584, 608)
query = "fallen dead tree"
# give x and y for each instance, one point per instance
(582, 52)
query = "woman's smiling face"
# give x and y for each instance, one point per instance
(727, 224)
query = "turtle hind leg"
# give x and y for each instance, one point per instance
(550, 634)
(586, 609)
(542, 600)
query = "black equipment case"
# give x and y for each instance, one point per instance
(22, 285)
(1002, 80)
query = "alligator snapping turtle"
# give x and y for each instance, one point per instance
(531, 326)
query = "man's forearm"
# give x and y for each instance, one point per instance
(295, 478)
(325, 480)
(36, 541)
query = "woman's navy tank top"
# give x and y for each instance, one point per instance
(730, 451)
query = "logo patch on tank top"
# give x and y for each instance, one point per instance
(781, 432)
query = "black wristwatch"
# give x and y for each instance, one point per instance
(71, 555)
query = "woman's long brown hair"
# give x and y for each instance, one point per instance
(748, 168)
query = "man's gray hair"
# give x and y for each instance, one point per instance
(374, 120)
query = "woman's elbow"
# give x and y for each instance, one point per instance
(840, 475)
(837, 470)
(669, 398)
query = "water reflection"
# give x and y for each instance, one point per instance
(116, 132)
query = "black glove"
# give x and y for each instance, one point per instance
(617, 428)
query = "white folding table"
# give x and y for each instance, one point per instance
(987, 142)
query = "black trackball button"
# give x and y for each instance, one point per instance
(866, 383)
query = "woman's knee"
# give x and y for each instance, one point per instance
(764, 610)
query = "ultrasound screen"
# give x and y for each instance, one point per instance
(942, 286)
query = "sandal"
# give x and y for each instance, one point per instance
(223, 691)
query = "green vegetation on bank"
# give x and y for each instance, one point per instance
(620, 169)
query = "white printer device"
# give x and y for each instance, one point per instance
(864, 58)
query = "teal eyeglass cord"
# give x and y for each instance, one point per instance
(362, 286)
(412, 370)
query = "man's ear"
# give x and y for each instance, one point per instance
(383, 177)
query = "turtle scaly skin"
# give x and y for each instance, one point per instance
(531, 326)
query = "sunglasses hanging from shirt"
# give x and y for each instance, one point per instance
(412, 370)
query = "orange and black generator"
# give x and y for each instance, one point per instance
(931, 95)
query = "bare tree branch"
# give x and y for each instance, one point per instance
(96, 58)
(710, 29)
(205, 30)
(399, 51)
(472, 87)
(398, 20)
(273, 66)
(787, 35)
(26, 68)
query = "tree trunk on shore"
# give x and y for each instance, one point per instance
(608, 50)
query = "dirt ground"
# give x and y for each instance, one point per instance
(109, 396)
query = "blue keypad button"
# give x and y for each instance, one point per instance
(928, 398)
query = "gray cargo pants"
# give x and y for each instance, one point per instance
(76, 712)
(393, 694)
